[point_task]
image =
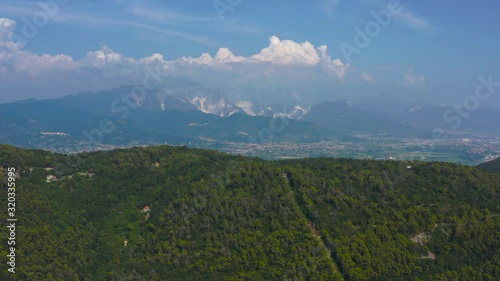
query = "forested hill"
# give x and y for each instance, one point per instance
(172, 213)
(492, 166)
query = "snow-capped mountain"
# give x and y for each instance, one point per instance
(296, 113)
(193, 96)
(224, 108)
(187, 96)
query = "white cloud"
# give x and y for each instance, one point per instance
(280, 64)
(104, 57)
(335, 67)
(367, 78)
(411, 79)
(328, 6)
(167, 17)
(288, 52)
(13, 59)
(412, 20)
(6, 28)
(153, 58)
(224, 55)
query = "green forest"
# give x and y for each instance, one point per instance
(174, 213)
(492, 166)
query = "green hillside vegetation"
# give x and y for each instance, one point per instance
(214, 216)
(492, 166)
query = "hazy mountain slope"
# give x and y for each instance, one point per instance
(391, 105)
(431, 117)
(342, 117)
(492, 166)
(428, 117)
(111, 101)
(40, 115)
(28, 122)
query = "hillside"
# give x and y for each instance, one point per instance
(172, 213)
(492, 166)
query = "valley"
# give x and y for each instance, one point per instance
(196, 116)
(462, 148)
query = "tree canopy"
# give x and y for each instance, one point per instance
(213, 216)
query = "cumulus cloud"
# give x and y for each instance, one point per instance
(411, 79)
(17, 61)
(282, 62)
(224, 55)
(288, 52)
(278, 53)
(6, 28)
(367, 78)
(335, 67)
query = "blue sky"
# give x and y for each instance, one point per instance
(429, 50)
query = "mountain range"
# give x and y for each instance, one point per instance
(189, 113)
(428, 117)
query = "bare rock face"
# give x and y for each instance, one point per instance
(420, 238)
